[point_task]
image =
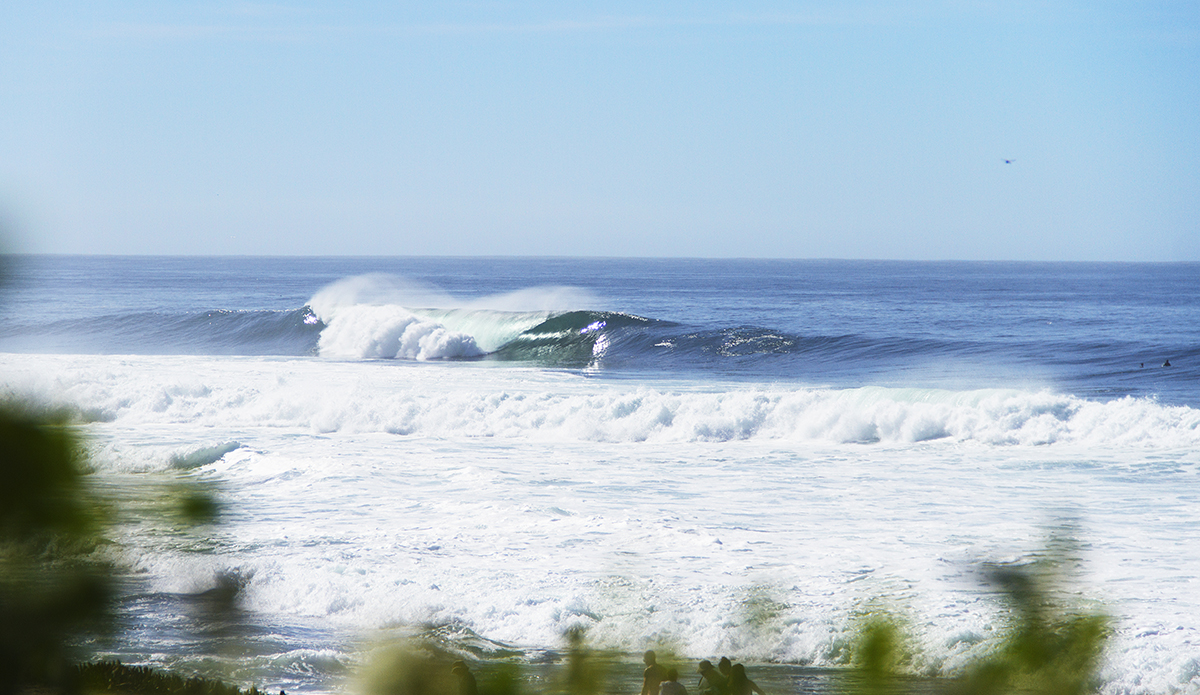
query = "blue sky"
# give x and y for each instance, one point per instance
(760, 129)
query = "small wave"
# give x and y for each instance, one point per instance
(202, 456)
(217, 332)
(463, 642)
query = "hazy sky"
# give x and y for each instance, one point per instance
(802, 129)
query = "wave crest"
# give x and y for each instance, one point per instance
(390, 332)
(382, 316)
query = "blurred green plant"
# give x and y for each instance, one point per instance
(879, 652)
(55, 586)
(57, 583)
(407, 668)
(1052, 644)
(587, 670)
(114, 677)
(419, 665)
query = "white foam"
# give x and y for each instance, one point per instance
(520, 502)
(458, 400)
(364, 332)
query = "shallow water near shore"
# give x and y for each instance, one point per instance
(242, 649)
(724, 457)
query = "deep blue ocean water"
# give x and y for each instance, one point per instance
(1096, 330)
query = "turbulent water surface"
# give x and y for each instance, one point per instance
(726, 457)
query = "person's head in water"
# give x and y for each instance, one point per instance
(705, 666)
(673, 674)
(649, 657)
(724, 666)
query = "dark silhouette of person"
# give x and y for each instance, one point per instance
(466, 679)
(711, 680)
(740, 684)
(1167, 363)
(671, 684)
(725, 666)
(654, 674)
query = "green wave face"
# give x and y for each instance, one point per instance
(569, 339)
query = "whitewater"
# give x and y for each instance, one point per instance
(494, 451)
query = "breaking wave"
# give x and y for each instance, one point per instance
(380, 317)
(326, 396)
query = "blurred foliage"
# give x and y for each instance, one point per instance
(1049, 643)
(588, 671)
(502, 679)
(1052, 645)
(879, 652)
(43, 498)
(408, 668)
(419, 666)
(55, 588)
(198, 507)
(114, 677)
(57, 585)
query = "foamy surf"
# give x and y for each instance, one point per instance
(517, 504)
(464, 400)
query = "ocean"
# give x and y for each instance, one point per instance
(709, 457)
